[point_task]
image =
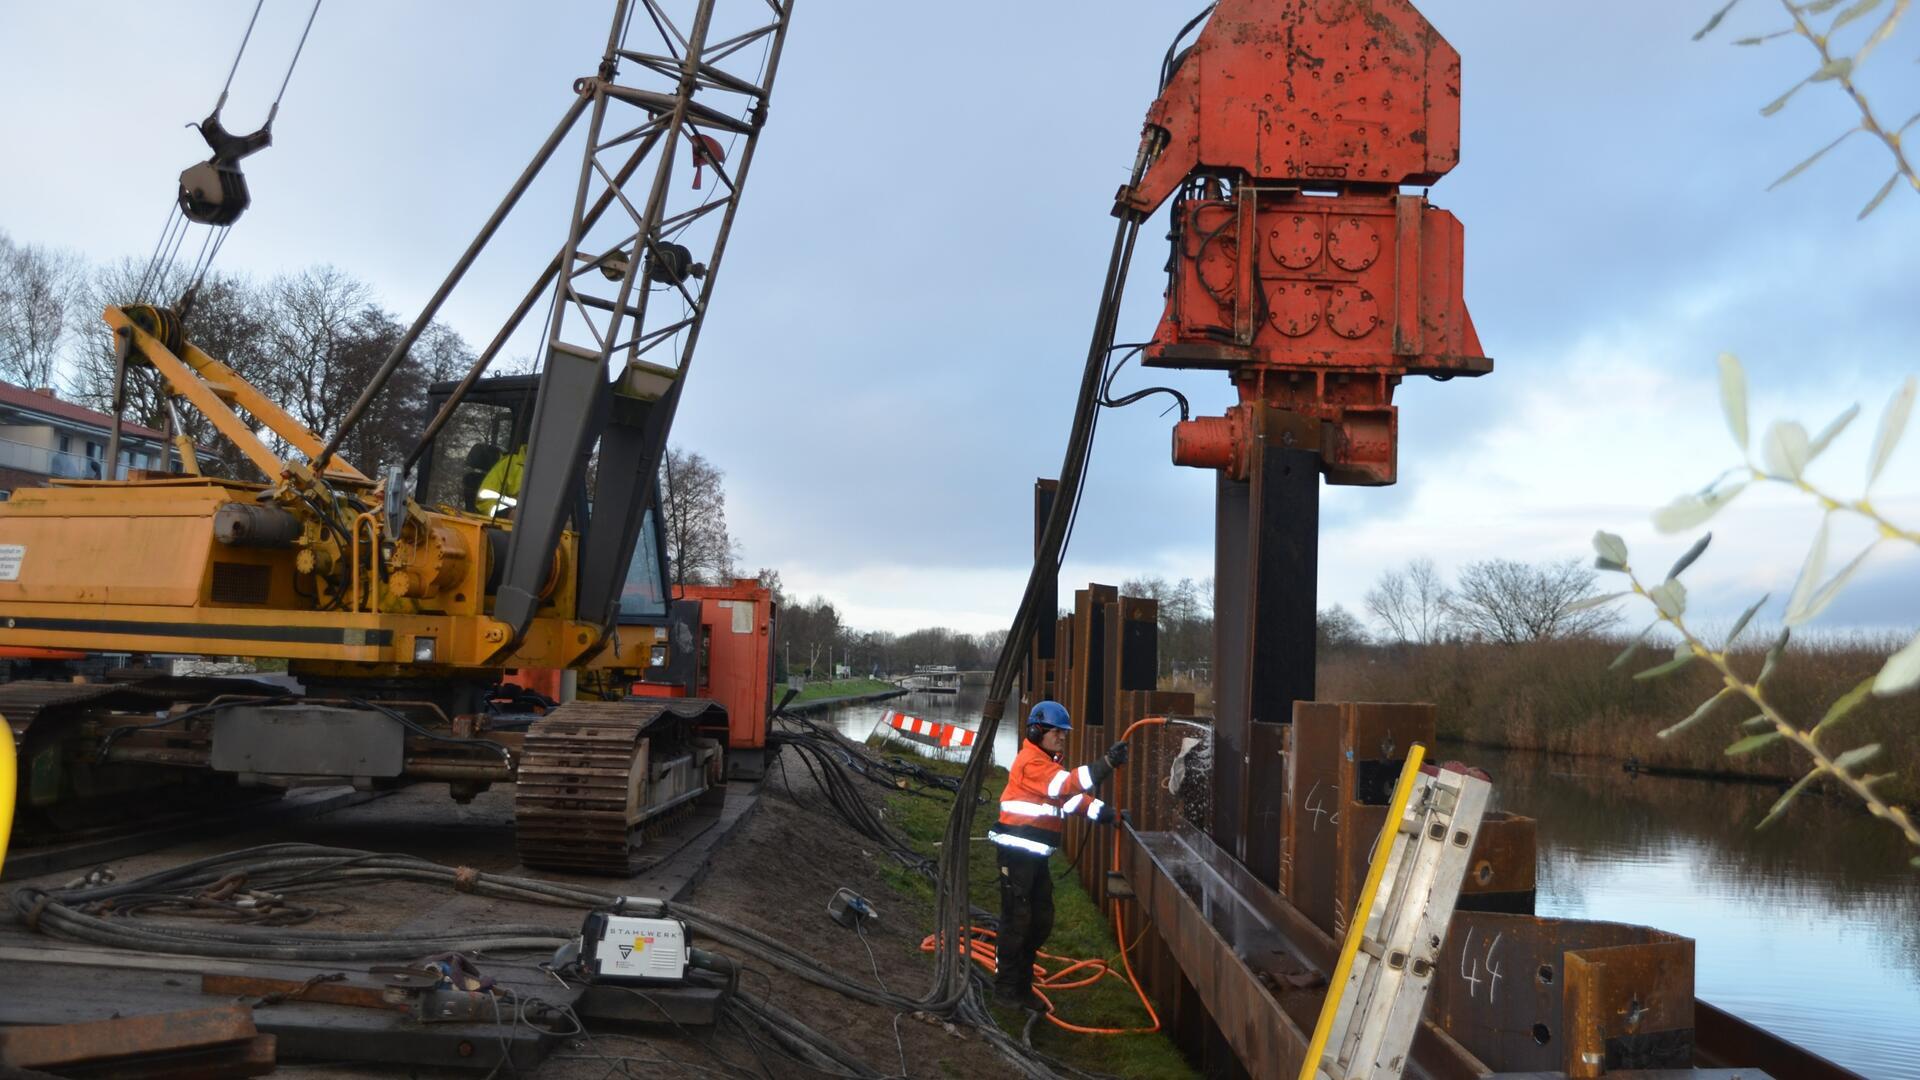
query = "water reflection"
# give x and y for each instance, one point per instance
(858, 721)
(1810, 929)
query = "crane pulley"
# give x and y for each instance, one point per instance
(214, 191)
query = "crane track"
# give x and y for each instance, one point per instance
(583, 785)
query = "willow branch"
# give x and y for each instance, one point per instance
(1868, 122)
(1805, 740)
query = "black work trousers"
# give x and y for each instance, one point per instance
(1026, 918)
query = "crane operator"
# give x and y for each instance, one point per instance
(1039, 796)
(500, 489)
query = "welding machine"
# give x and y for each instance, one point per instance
(616, 948)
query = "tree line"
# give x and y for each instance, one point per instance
(311, 340)
(812, 635)
(1502, 601)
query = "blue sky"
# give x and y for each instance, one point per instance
(897, 333)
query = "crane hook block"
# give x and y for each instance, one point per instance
(214, 192)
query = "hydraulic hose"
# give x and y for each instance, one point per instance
(950, 971)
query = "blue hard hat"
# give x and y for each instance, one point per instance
(1050, 714)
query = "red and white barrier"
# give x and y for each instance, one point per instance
(929, 733)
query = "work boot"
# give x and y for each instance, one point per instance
(1021, 997)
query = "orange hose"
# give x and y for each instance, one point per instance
(1119, 920)
(987, 956)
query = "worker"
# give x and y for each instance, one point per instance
(1039, 796)
(500, 488)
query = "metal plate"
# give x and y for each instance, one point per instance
(307, 740)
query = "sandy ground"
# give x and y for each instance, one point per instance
(774, 873)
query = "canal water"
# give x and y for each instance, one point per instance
(1810, 929)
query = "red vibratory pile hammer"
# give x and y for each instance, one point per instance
(1284, 136)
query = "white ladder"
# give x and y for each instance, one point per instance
(1388, 957)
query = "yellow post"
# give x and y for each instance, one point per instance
(9, 786)
(1362, 908)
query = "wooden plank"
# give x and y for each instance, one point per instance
(55, 1045)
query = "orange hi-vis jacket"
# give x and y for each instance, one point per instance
(1040, 795)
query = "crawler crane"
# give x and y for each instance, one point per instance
(398, 605)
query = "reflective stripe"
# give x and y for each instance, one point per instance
(1070, 805)
(1058, 784)
(1031, 809)
(1019, 843)
(1086, 778)
(1094, 808)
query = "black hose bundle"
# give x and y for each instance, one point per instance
(952, 988)
(828, 764)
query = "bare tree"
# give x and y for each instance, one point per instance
(1186, 619)
(229, 323)
(1511, 602)
(39, 303)
(769, 579)
(693, 505)
(809, 631)
(1412, 604)
(1337, 629)
(315, 327)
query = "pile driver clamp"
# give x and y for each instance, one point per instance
(400, 605)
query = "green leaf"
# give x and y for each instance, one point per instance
(1780, 805)
(1831, 590)
(1757, 723)
(1816, 156)
(1901, 672)
(1837, 68)
(1811, 573)
(1818, 7)
(1612, 549)
(1745, 618)
(1785, 449)
(1859, 755)
(1828, 433)
(1632, 647)
(1698, 714)
(1847, 703)
(1858, 10)
(1733, 397)
(1715, 21)
(1752, 742)
(1670, 597)
(1692, 555)
(1879, 197)
(1594, 601)
(1893, 424)
(1780, 102)
(1774, 652)
(1762, 39)
(1682, 656)
(1693, 511)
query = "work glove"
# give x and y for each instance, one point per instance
(1106, 816)
(1117, 754)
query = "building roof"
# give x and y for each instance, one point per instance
(46, 404)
